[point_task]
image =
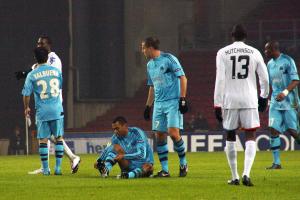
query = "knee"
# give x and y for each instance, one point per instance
(274, 132)
(231, 136)
(118, 149)
(43, 140)
(174, 134)
(161, 137)
(59, 138)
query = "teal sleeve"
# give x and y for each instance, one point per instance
(149, 81)
(175, 66)
(139, 154)
(292, 70)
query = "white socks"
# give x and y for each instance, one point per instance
(231, 154)
(250, 153)
(68, 151)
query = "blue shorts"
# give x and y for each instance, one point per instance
(282, 120)
(166, 115)
(47, 128)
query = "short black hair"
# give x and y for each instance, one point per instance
(46, 37)
(239, 32)
(274, 45)
(40, 54)
(120, 119)
(152, 42)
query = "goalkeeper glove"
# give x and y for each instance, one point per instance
(262, 104)
(147, 113)
(183, 105)
(21, 74)
(218, 114)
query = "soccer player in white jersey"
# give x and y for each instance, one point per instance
(235, 98)
(53, 60)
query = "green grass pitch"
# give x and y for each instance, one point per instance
(208, 173)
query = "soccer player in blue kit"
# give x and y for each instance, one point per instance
(45, 82)
(130, 149)
(167, 88)
(283, 112)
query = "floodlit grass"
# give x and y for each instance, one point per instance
(208, 174)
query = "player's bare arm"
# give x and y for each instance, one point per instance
(286, 91)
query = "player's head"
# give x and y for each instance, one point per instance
(272, 49)
(44, 41)
(150, 46)
(119, 126)
(238, 32)
(40, 54)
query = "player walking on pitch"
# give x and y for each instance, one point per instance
(46, 83)
(284, 107)
(235, 98)
(167, 87)
(54, 61)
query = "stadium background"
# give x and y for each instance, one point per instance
(103, 69)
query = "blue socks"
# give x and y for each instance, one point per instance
(43, 150)
(59, 152)
(110, 160)
(180, 149)
(162, 151)
(136, 173)
(275, 147)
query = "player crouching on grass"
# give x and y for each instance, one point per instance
(130, 149)
(46, 84)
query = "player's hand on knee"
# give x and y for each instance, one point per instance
(262, 104)
(183, 105)
(147, 113)
(218, 114)
(119, 157)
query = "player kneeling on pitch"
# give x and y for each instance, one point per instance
(130, 149)
(46, 83)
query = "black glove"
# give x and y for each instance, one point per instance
(21, 74)
(183, 105)
(218, 114)
(147, 113)
(262, 104)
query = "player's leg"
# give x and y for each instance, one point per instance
(43, 133)
(57, 128)
(159, 124)
(43, 150)
(40, 170)
(276, 128)
(291, 124)
(175, 124)
(230, 124)
(249, 122)
(138, 171)
(75, 160)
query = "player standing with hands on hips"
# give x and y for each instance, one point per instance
(167, 88)
(235, 98)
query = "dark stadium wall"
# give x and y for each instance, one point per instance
(21, 24)
(145, 18)
(99, 48)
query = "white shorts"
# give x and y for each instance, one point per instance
(247, 119)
